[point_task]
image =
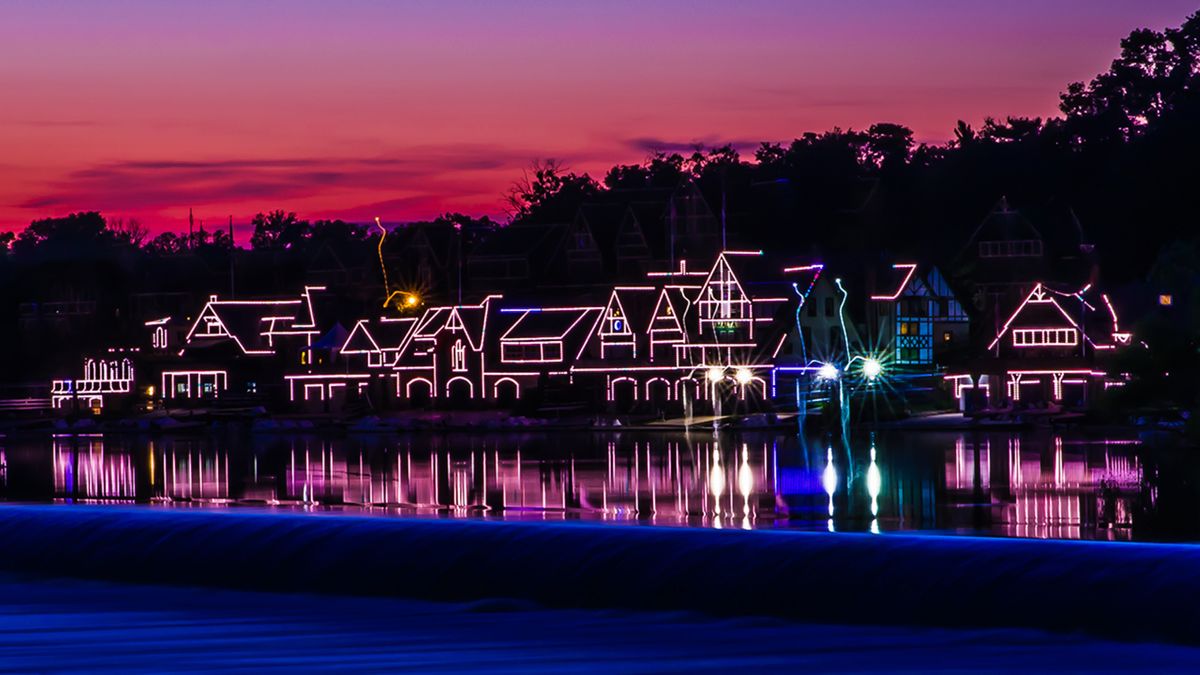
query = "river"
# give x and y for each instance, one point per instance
(1007, 484)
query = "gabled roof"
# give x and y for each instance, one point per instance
(360, 340)
(893, 283)
(380, 334)
(669, 311)
(519, 241)
(333, 339)
(1003, 223)
(741, 265)
(253, 324)
(440, 240)
(1040, 308)
(390, 332)
(603, 220)
(549, 323)
(637, 305)
(473, 319)
(328, 257)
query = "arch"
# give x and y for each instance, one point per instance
(509, 393)
(750, 387)
(658, 391)
(418, 380)
(612, 386)
(455, 391)
(423, 394)
(686, 390)
(623, 393)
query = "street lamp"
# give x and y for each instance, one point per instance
(872, 368)
(827, 371)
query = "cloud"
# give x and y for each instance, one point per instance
(424, 206)
(650, 145)
(147, 185)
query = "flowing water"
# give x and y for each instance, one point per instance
(1036, 484)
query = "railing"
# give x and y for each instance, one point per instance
(15, 404)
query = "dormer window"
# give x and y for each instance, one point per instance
(616, 322)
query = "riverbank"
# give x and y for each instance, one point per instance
(1125, 591)
(185, 421)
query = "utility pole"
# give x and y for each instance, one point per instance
(232, 288)
(724, 244)
(459, 228)
(671, 224)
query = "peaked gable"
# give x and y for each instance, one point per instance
(1040, 321)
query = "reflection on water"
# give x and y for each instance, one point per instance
(1007, 484)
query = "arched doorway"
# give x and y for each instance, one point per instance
(623, 394)
(460, 391)
(658, 394)
(419, 392)
(507, 392)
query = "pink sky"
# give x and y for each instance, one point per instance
(404, 110)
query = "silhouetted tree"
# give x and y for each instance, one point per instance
(77, 233)
(888, 145)
(167, 243)
(548, 193)
(278, 230)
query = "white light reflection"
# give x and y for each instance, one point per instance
(716, 485)
(745, 486)
(829, 479)
(874, 482)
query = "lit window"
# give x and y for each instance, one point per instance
(1165, 299)
(458, 357)
(1045, 337)
(947, 336)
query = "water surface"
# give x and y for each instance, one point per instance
(1037, 484)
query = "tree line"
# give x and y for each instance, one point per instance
(1118, 160)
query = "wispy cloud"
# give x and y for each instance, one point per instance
(165, 183)
(649, 144)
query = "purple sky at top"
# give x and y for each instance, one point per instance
(406, 109)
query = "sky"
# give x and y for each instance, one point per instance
(360, 108)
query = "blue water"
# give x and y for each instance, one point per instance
(466, 552)
(1040, 485)
(75, 626)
